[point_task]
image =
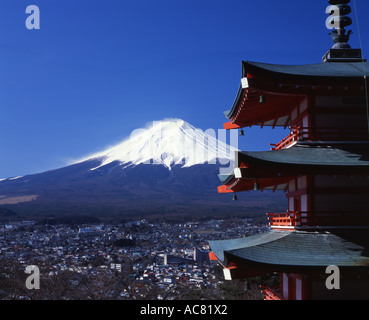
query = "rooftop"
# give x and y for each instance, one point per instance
(344, 248)
(324, 69)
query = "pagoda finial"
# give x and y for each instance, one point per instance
(338, 19)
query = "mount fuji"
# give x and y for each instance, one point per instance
(167, 168)
(168, 143)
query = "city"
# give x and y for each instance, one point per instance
(134, 260)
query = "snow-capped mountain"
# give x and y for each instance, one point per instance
(169, 167)
(169, 142)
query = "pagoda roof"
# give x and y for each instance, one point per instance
(312, 154)
(283, 87)
(281, 249)
(337, 70)
(272, 169)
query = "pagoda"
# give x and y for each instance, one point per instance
(322, 166)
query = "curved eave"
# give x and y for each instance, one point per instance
(284, 86)
(239, 184)
(229, 114)
(248, 111)
(226, 179)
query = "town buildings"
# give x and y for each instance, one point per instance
(126, 261)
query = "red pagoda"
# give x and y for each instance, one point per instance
(322, 166)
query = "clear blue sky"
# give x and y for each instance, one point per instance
(98, 69)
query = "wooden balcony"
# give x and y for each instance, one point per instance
(292, 219)
(271, 294)
(288, 219)
(288, 141)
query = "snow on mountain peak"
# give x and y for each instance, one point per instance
(169, 142)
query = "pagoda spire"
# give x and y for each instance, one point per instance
(339, 20)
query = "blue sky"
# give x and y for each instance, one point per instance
(98, 69)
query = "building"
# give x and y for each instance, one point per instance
(201, 256)
(176, 260)
(322, 166)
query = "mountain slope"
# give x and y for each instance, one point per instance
(168, 168)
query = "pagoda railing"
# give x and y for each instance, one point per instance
(271, 294)
(321, 134)
(291, 138)
(285, 219)
(304, 218)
